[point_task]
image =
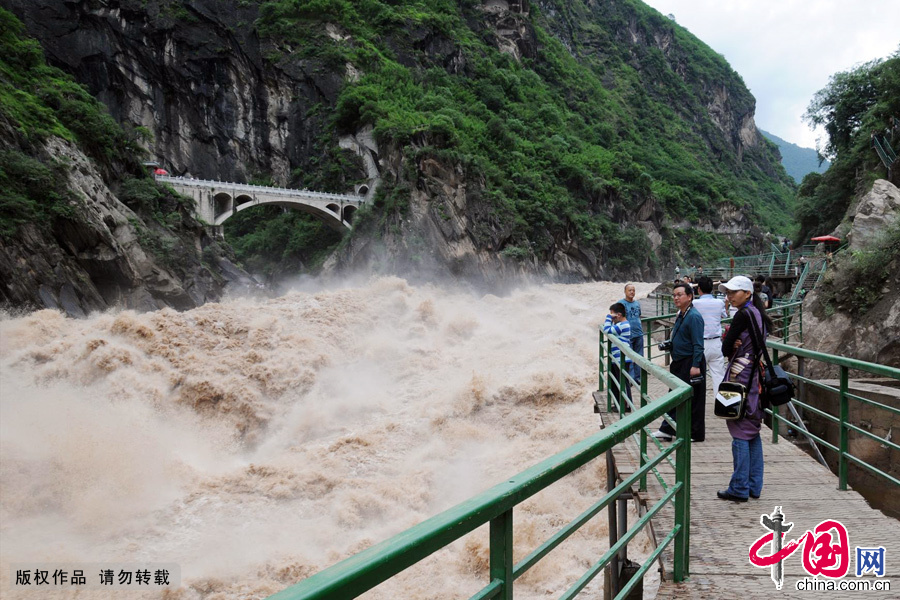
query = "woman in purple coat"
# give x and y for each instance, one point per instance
(743, 367)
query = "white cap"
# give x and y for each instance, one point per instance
(737, 283)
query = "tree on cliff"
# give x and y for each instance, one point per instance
(854, 105)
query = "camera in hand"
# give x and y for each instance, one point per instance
(665, 346)
(698, 379)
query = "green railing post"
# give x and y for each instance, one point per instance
(602, 364)
(801, 323)
(682, 497)
(667, 332)
(643, 452)
(785, 324)
(608, 374)
(775, 409)
(622, 396)
(842, 459)
(502, 553)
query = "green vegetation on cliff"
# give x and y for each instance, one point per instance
(854, 105)
(36, 102)
(857, 280)
(569, 139)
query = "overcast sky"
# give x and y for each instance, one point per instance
(786, 50)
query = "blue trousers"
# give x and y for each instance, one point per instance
(747, 478)
(614, 371)
(637, 344)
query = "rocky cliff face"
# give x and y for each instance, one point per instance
(872, 337)
(82, 227)
(221, 101)
(449, 228)
(450, 231)
(109, 256)
(871, 216)
(194, 75)
(846, 315)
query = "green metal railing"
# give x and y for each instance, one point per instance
(883, 149)
(681, 466)
(365, 570)
(842, 420)
(768, 264)
(786, 314)
(787, 318)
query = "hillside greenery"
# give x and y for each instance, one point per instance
(271, 241)
(857, 281)
(565, 143)
(854, 105)
(38, 101)
(572, 139)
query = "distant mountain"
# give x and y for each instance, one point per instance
(797, 161)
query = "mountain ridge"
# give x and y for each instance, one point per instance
(797, 160)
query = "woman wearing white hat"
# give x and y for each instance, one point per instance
(744, 355)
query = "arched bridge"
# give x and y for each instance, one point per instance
(216, 201)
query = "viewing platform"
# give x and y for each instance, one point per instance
(723, 531)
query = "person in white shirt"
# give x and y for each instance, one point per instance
(713, 311)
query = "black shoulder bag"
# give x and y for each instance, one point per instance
(731, 398)
(777, 387)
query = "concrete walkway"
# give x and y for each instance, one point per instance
(722, 531)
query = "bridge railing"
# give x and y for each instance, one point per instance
(245, 187)
(842, 420)
(767, 264)
(363, 571)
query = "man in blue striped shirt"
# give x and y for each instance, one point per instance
(617, 324)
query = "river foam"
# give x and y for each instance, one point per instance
(256, 442)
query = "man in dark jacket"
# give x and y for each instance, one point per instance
(688, 362)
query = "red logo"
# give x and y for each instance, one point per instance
(822, 553)
(826, 548)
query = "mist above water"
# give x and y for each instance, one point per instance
(257, 442)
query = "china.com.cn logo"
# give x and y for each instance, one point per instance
(826, 550)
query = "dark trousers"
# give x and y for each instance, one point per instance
(681, 368)
(614, 390)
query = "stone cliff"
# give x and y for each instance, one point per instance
(216, 98)
(107, 255)
(194, 75)
(82, 226)
(855, 312)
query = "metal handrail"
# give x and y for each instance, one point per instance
(845, 365)
(363, 571)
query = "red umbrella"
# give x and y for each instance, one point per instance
(826, 238)
(160, 172)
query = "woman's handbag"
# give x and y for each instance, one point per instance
(731, 400)
(777, 387)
